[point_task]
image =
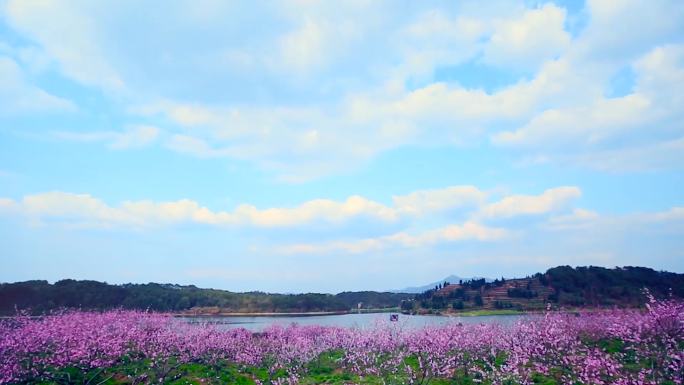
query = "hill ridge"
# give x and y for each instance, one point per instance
(559, 286)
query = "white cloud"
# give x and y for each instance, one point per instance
(469, 231)
(306, 48)
(435, 39)
(586, 125)
(18, 95)
(131, 137)
(68, 32)
(312, 211)
(291, 140)
(441, 112)
(536, 36)
(429, 201)
(550, 200)
(35, 59)
(579, 218)
(660, 77)
(621, 29)
(651, 157)
(298, 143)
(638, 131)
(325, 89)
(194, 146)
(135, 136)
(7, 205)
(86, 210)
(322, 37)
(76, 207)
(83, 210)
(590, 222)
(673, 214)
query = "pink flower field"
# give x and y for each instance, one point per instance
(131, 347)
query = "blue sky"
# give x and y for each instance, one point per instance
(317, 146)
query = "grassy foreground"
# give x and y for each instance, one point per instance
(326, 369)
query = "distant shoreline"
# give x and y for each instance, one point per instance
(285, 314)
(267, 314)
(475, 313)
(468, 313)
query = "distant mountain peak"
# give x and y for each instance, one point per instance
(451, 279)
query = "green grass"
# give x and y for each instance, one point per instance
(325, 369)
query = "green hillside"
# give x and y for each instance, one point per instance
(559, 286)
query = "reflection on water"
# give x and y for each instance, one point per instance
(349, 320)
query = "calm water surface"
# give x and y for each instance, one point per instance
(349, 320)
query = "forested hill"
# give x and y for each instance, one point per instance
(600, 286)
(560, 286)
(41, 296)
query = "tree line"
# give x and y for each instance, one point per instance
(580, 286)
(41, 296)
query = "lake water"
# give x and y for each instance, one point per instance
(349, 320)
